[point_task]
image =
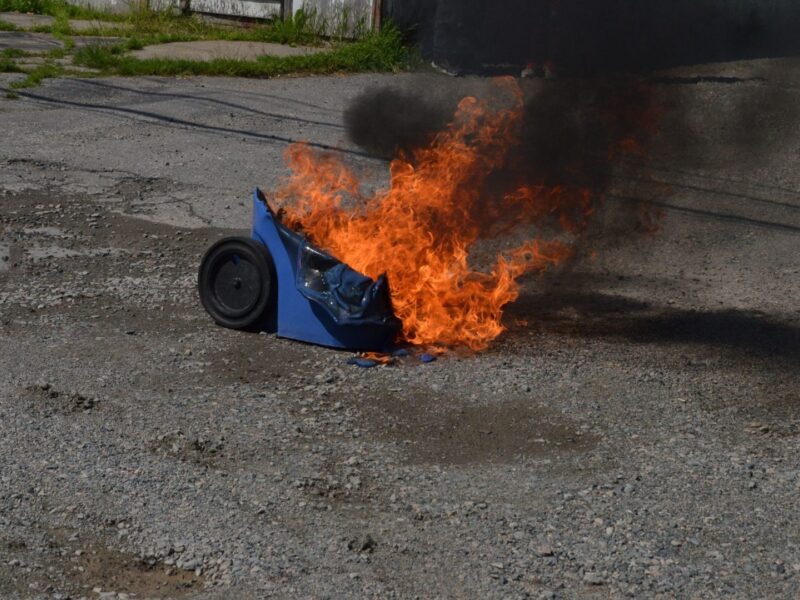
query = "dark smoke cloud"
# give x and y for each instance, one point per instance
(567, 132)
(695, 114)
(571, 127)
(687, 120)
(385, 121)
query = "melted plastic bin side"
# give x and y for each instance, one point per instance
(298, 317)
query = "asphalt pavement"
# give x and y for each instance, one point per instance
(634, 433)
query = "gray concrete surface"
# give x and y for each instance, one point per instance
(211, 49)
(637, 438)
(29, 21)
(28, 42)
(39, 43)
(25, 20)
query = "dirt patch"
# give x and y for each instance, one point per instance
(326, 489)
(775, 416)
(115, 571)
(193, 449)
(450, 433)
(51, 401)
(249, 358)
(62, 563)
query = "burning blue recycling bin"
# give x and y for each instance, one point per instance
(277, 281)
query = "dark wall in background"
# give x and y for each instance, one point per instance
(589, 36)
(415, 17)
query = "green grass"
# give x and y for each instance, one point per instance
(382, 51)
(56, 8)
(11, 96)
(159, 27)
(6, 26)
(61, 25)
(35, 76)
(57, 52)
(13, 53)
(7, 65)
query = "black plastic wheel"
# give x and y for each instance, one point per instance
(237, 282)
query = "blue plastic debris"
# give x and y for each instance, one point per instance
(401, 353)
(364, 363)
(321, 300)
(427, 358)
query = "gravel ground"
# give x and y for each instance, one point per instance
(634, 433)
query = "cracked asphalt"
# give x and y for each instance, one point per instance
(634, 433)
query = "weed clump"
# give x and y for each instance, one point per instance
(38, 74)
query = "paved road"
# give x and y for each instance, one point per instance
(638, 437)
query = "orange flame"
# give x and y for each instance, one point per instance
(420, 230)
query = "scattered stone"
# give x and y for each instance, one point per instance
(593, 578)
(362, 544)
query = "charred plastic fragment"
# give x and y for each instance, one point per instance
(278, 281)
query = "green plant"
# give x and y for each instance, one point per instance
(57, 53)
(8, 66)
(11, 95)
(341, 24)
(133, 44)
(304, 27)
(96, 57)
(60, 26)
(360, 28)
(6, 26)
(37, 75)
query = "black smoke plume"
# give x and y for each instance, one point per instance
(568, 128)
(386, 120)
(572, 129)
